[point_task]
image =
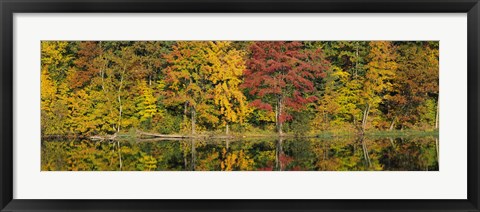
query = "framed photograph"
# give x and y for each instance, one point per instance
(266, 105)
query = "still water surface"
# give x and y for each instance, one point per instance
(259, 154)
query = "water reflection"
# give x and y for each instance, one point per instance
(261, 154)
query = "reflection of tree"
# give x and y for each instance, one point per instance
(119, 155)
(299, 154)
(208, 155)
(184, 154)
(366, 157)
(286, 154)
(193, 152)
(438, 151)
(410, 154)
(279, 154)
(237, 157)
(264, 154)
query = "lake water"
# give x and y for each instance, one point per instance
(255, 154)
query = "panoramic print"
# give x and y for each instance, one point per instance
(239, 105)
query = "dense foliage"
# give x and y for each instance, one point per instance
(192, 87)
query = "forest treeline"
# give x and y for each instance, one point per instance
(104, 87)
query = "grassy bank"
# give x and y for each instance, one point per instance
(401, 133)
(323, 134)
(134, 134)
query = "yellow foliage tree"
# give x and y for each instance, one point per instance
(380, 72)
(236, 160)
(202, 73)
(225, 72)
(146, 103)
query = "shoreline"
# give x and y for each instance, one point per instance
(210, 135)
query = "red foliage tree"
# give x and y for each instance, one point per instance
(281, 74)
(86, 65)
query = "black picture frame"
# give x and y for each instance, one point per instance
(9, 7)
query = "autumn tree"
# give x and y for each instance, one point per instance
(88, 64)
(205, 77)
(359, 81)
(380, 72)
(146, 104)
(416, 81)
(150, 85)
(350, 56)
(56, 58)
(341, 101)
(86, 81)
(123, 72)
(225, 70)
(151, 57)
(186, 81)
(280, 74)
(346, 102)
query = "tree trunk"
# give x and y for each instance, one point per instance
(279, 152)
(276, 116)
(391, 141)
(120, 100)
(227, 130)
(194, 114)
(185, 112)
(437, 114)
(119, 155)
(354, 122)
(365, 152)
(392, 124)
(185, 159)
(102, 74)
(365, 116)
(279, 114)
(356, 62)
(102, 70)
(192, 165)
(438, 151)
(325, 119)
(120, 113)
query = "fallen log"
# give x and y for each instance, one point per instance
(177, 136)
(159, 139)
(145, 134)
(103, 138)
